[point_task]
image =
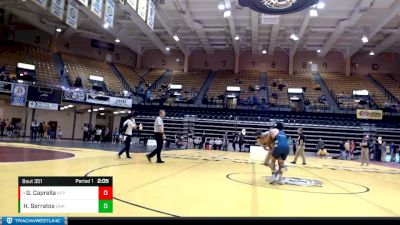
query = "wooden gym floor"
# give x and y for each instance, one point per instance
(195, 183)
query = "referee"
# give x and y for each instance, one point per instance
(159, 135)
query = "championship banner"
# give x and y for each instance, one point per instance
(121, 102)
(109, 12)
(97, 7)
(18, 94)
(150, 14)
(5, 87)
(43, 105)
(57, 8)
(142, 9)
(41, 3)
(98, 99)
(132, 3)
(369, 114)
(72, 14)
(84, 2)
(72, 95)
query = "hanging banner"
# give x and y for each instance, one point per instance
(109, 12)
(84, 2)
(18, 94)
(150, 14)
(369, 114)
(41, 3)
(72, 14)
(132, 3)
(121, 102)
(43, 105)
(57, 8)
(97, 7)
(142, 9)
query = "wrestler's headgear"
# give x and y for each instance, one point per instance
(278, 126)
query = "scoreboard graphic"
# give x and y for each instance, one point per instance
(65, 195)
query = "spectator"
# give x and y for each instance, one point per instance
(307, 102)
(115, 135)
(34, 130)
(197, 142)
(218, 144)
(97, 137)
(10, 129)
(300, 147)
(320, 145)
(352, 149)
(225, 142)
(211, 144)
(59, 134)
(383, 151)
(41, 131)
(347, 149)
(85, 132)
(364, 151)
(241, 140)
(3, 126)
(203, 140)
(290, 143)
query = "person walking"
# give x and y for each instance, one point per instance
(364, 152)
(159, 135)
(128, 127)
(300, 147)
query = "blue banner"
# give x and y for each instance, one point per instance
(102, 45)
(33, 220)
(18, 94)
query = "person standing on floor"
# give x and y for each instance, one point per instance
(34, 130)
(41, 131)
(203, 141)
(159, 135)
(364, 152)
(383, 151)
(352, 149)
(347, 149)
(128, 127)
(300, 147)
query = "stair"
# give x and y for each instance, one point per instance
(168, 73)
(382, 89)
(206, 85)
(264, 84)
(62, 74)
(115, 71)
(318, 79)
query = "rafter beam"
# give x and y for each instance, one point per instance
(274, 36)
(198, 27)
(254, 32)
(387, 42)
(391, 12)
(341, 27)
(232, 28)
(303, 28)
(164, 22)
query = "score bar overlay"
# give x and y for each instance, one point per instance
(65, 195)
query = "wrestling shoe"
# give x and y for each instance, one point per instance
(280, 179)
(272, 179)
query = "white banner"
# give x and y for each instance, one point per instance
(97, 7)
(121, 102)
(72, 14)
(132, 3)
(109, 12)
(43, 105)
(42, 3)
(150, 14)
(57, 8)
(98, 99)
(84, 2)
(142, 9)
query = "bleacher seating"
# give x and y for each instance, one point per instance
(299, 80)
(226, 78)
(83, 67)
(390, 82)
(13, 53)
(341, 84)
(130, 74)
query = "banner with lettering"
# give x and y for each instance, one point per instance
(84, 2)
(72, 14)
(150, 14)
(142, 9)
(97, 7)
(132, 3)
(41, 3)
(369, 114)
(18, 94)
(57, 8)
(109, 12)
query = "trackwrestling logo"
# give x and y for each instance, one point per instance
(9, 220)
(33, 220)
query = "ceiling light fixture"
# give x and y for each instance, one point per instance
(364, 39)
(321, 5)
(221, 5)
(106, 25)
(167, 49)
(176, 38)
(313, 13)
(294, 37)
(59, 30)
(227, 13)
(117, 40)
(371, 53)
(264, 51)
(236, 37)
(319, 50)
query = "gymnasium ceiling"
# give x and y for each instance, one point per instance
(199, 24)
